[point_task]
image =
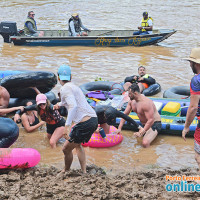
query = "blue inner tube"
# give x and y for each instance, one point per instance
(9, 132)
(114, 88)
(152, 90)
(177, 92)
(18, 84)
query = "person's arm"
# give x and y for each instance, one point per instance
(191, 112)
(8, 110)
(128, 119)
(74, 33)
(131, 79)
(27, 126)
(36, 90)
(30, 27)
(83, 27)
(27, 108)
(122, 121)
(148, 80)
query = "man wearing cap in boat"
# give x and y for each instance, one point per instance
(194, 107)
(75, 25)
(146, 26)
(143, 80)
(30, 27)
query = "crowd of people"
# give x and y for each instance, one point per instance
(82, 120)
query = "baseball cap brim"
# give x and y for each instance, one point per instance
(64, 77)
(41, 101)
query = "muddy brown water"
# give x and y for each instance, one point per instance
(163, 61)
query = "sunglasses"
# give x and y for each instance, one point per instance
(42, 104)
(32, 14)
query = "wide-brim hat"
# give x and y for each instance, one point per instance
(74, 14)
(194, 56)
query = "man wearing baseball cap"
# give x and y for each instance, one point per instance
(194, 107)
(75, 25)
(80, 113)
(146, 25)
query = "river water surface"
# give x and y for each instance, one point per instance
(163, 62)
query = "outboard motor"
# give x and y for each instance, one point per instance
(8, 29)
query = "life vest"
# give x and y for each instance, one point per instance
(146, 76)
(77, 25)
(145, 23)
(33, 22)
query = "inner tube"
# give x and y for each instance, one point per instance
(177, 92)
(10, 72)
(18, 85)
(18, 158)
(152, 90)
(9, 132)
(114, 88)
(15, 102)
(111, 139)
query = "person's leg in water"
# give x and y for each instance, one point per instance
(57, 134)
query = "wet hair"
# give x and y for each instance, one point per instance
(134, 88)
(141, 67)
(29, 12)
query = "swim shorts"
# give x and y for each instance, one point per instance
(157, 126)
(52, 127)
(83, 131)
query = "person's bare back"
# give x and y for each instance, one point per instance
(4, 97)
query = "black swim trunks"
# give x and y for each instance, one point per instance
(83, 131)
(157, 126)
(52, 127)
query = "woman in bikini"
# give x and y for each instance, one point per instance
(30, 120)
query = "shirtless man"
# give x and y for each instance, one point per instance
(147, 113)
(4, 97)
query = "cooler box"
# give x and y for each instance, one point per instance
(158, 105)
(172, 109)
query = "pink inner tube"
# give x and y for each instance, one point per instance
(111, 139)
(14, 158)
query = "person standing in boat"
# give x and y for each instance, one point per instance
(30, 27)
(146, 25)
(75, 25)
(143, 80)
(194, 107)
(147, 114)
(80, 113)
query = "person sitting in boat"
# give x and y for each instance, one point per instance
(75, 25)
(143, 80)
(30, 27)
(107, 116)
(146, 25)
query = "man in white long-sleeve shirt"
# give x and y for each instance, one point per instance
(80, 113)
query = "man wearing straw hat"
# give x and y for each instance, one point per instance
(75, 25)
(194, 108)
